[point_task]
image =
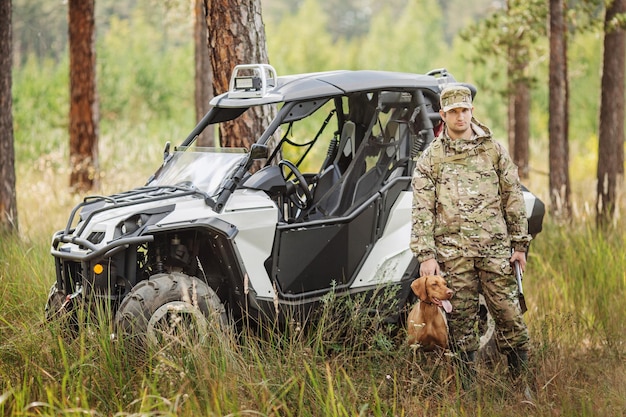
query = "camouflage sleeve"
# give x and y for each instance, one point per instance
(423, 210)
(513, 205)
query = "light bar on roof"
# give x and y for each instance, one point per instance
(251, 81)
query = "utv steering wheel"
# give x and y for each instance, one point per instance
(301, 196)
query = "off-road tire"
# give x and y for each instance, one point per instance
(488, 350)
(158, 310)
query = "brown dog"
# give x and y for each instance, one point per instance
(427, 323)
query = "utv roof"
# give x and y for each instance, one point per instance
(325, 84)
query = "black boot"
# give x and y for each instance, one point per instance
(518, 363)
(518, 368)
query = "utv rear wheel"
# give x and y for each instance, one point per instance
(169, 310)
(488, 349)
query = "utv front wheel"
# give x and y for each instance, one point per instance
(169, 310)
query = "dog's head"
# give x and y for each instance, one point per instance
(434, 290)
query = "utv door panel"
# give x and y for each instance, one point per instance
(310, 257)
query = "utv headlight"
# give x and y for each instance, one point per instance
(133, 223)
(137, 221)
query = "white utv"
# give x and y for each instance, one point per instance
(209, 238)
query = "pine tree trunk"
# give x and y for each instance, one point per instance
(203, 76)
(522, 128)
(83, 96)
(611, 140)
(519, 103)
(558, 124)
(8, 200)
(237, 36)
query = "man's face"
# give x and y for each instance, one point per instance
(458, 121)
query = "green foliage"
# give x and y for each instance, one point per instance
(301, 47)
(406, 45)
(40, 108)
(509, 33)
(145, 73)
(135, 81)
(412, 43)
(39, 30)
(485, 47)
(585, 67)
(145, 90)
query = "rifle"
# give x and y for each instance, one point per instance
(520, 289)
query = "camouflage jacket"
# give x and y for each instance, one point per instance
(467, 200)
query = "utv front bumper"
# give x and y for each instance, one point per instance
(80, 263)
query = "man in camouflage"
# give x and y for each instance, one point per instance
(468, 216)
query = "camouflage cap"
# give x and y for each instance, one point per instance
(455, 96)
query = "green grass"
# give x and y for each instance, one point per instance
(575, 291)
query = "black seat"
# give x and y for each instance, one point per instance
(344, 154)
(376, 159)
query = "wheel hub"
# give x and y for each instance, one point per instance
(176, 322)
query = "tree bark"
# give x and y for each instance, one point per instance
(83, 96)
(519, 125)
(519, 103)
(522, 128)
(559, 183)
(204, 75)
(237, 36)
(8, 199)
(611, 140)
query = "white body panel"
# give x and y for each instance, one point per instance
(391, 255)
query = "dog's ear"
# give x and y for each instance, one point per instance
(419, 288)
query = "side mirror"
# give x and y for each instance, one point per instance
(166, 157)
(166, 151)
(258, 151)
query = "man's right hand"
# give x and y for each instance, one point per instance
(429, 267)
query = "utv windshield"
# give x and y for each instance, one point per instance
(206, 169)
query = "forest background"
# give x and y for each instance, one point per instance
(145, 70)
(145, 74)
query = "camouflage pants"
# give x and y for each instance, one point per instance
(494, 278)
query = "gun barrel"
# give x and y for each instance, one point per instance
(518, 276)
(520, 289)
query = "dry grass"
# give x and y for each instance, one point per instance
(575, 288)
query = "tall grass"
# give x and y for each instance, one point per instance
(583, 278)
(350, 365)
